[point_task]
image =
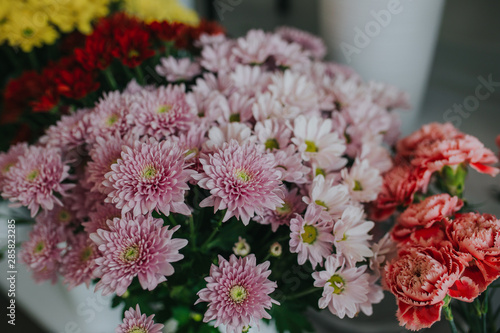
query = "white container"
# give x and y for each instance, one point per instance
(392, 41)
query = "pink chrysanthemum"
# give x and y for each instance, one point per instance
(242, 179)
(104, 153)
(282, 215)
(238, 293)
(178, 69)
(218, 136)
(78, 263)
(69, 132)
(161, 112)
(345, 287)
(132, 247)
(137, 322)
(10, 158)
(41, 253)
(151, 176)
(314, 45)
(109, 116)
(36, 178)
(311, 236)
(62, 218)
(98, 219)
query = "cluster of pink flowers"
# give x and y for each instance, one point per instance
(274, 135)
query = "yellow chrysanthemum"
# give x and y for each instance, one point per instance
(161, 10)
(33, 23)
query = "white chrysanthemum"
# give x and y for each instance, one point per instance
(317, 142)
(295, 91)
(346, 287)
(217, 136)
(351, 235)
(272, 133)
(333, 198)
(249, 80)
(363, 181)
(267, 106)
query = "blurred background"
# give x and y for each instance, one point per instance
(467, 56)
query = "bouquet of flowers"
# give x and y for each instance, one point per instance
(445, 250)
(237, 183)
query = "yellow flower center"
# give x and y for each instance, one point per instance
(238, 294)
(86, 254)
(321, 203)
(320, 171)
(243, 175)
(64, 216)
(133, 53)
(149, 172)
(137, 329)
(285, 209)
(112, 119)
(357, 186)
(39, 247)
(7, 167)
(272, 143)
(164, 108)
(131, 253)
(311, 147)
(309, 235)
(337, 283)
(32, 175)
(234, 118)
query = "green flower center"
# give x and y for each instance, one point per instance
(164, 109)
(64, 216)
(28, 32)
(137, 329)
(131, 253)
(86, 254)
(357, 186)
(112, 119)
(243, 175)
(337, 283)
(272, 143)
(309, 235)
(133, 53)
(238, 294)
(320, 171)
(285, 209)
(39, 247)
(32, 175)
(311, 147)
(149, 172)
(7, 167)
(234, 118)
(321, 203)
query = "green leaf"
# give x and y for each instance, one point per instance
(290, 318)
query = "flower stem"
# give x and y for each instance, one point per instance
(33, 60)
(304, 293)
(140, 75)
(449, 316)
(110, 78)
(172, 220)
(212, 235)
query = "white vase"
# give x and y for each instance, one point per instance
(392, 41)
